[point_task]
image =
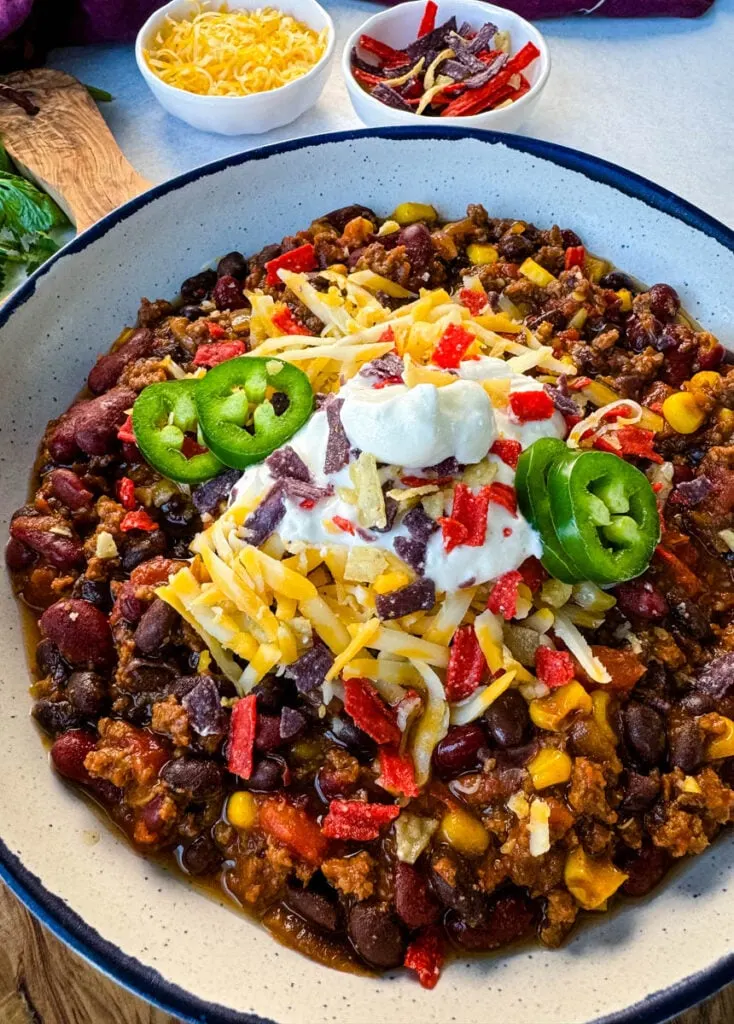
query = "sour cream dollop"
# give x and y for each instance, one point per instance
(419, 426)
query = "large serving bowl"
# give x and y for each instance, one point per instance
(148, 928)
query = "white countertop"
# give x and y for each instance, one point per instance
(654, 95)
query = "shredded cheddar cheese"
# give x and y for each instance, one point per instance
(218, 52)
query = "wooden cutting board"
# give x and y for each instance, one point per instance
(66, 148)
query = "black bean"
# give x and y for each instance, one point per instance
(196, 288)
(640, 791)
(143, 675)
(267, 776)
(141, 549)
(314, 907)
(691, 619)
(96, 592)
(509, 918)
(508, 719)
(194, 778)
(515, 248)
(458, 750)
(56, 716)
(616, 280)
(50, 662)
(155, 628)
(280, 403)
(272, 693)
(644, 868)
(348, 735)
(460, 894)
(645, 733)
(86, 691)
(201, 857)
(686, 743)
(191, 312)
(179, 517)
(233, 264)
(376, 935)
(571, 239)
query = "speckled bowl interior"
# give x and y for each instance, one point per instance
(146, 926)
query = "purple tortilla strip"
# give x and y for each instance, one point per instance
(309, 670)
(300, 490)
(204, 707)
(286, 462)
(337, 446)
(391, 510)
(292, 723)
(484, 39)
(261, 523)
(389, 96)
(448, 467)
(433, 41)
(562, 397)
(413, 552)
(420, 524)
(416, 597)
(536, 9)
(692, 492)
(490, 70)
(384, 367)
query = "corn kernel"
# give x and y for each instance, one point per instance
(464, 832)
(409, 213)
(600, 700)
(591, 881)
(548, 712)
(555, 593)
(481, 255)
(592, 598)
(242, 810)
(535, 273)
(704, 380)
(625, 299)
(550, 767)
(683, 412)
(339, 268)
(518, 228)
(722, 745)
(389, 581)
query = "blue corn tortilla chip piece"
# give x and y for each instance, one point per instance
(413, 552)
(416, 597)
(490, 70)
(292, 723)
(692, 492)
(432, 42)
(384, 367)
(337, 445)
(299, 490)
(419, 523)
(390, 97)
(204, 707)
(286, 462)
(484, 38)
(261, 523)
(448, 467)
(561, 396)
(456, 70)
(308, 671)
(391, 510)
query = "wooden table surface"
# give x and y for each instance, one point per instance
(43, 982)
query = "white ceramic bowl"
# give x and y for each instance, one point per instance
(147, 927)
(241, 115)
(398, 26)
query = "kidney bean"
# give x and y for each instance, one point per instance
(710, 357)
(644, 867)
(679, 345)
(643, 330)
(193, 778)
(640, 599)
(418, 248)
(208, 496)
(68, 754)
(61, 441)
(645, 733)
(86, 692)
(570, 238)
(68, 487)
(686, 743)
(348, 735)
(156, 817)
(313, 907)
(268, 732)
(341, 217)
(36, 532)
(664, 302)
(233, 264)
(154, 630)
(143, 675)
(460, 893)
(414, 902)
(97, 424)
(96, 592)
(18, 556)
(49, 661)
(508, 719)
(81, 633)
(458, 750)
(267, 253)
(641, 791)
(140, 549)
(510, 918)
(268, 775)
(197, 287)
(201, 857)
(227, 293)
(107, 370)
(56, 717)
(616, 280)
(376, 935)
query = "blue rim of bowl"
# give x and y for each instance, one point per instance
(53, 912)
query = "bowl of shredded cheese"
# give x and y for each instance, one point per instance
(236, 68)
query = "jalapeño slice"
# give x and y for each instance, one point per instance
(236, 414)
(163, 415)
(531, 484)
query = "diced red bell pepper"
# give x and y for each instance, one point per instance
(467, 666)
(452, 346)
(453, 533)
(242, 730)
(475, 100)
(219, 352)
(428, 21)
(353, 819)
(126, 493)
(471, 510)
(386, 383)
(503, 599)
(579, 383)
(504, 495)
(344, 525)
(554, 668)
(125, 433)
(397, 772)
(474, 300)
(575, 257)
(293, 827)
(531, 405)
(216, 331)
(138, 520)
(285, 321)
(387, 335)
(299, 260)
(507, 450)
(533, 574)
(190, 447)
(307, 503)
(634, 441)
(425, 956)
(369, 711)
(365, 78)
(383, 51)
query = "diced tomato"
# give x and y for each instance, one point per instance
(531, 405)
(190, 447)
(504, 495)
(467, 665)
(475, 301)
(216, 331)
(286, 322)
(624, 667)
(299, 260)
(387, 335)
(344, 525)
(533, 573)
(307, 503)
(554, 668)
(125, 433)
(293, 827)
(507, 450)
(353, 819)
(126, 493)
(575, 257)
(397, 772)
(633, 441)
(241, 743)
(453, 533)
(138, 520)
(219, 352)
(503, 599)
(425, 956)
(386, 383)
(369, 711)
(452, 347)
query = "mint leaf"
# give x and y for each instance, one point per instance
(39, 250)
(25, 209)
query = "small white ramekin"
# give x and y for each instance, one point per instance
(240, 115)
(398, 26)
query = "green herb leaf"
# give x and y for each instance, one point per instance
(25, 209)
(39, 251)
(5, 162)
(100, 95)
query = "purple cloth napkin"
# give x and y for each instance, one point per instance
(536, 9)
